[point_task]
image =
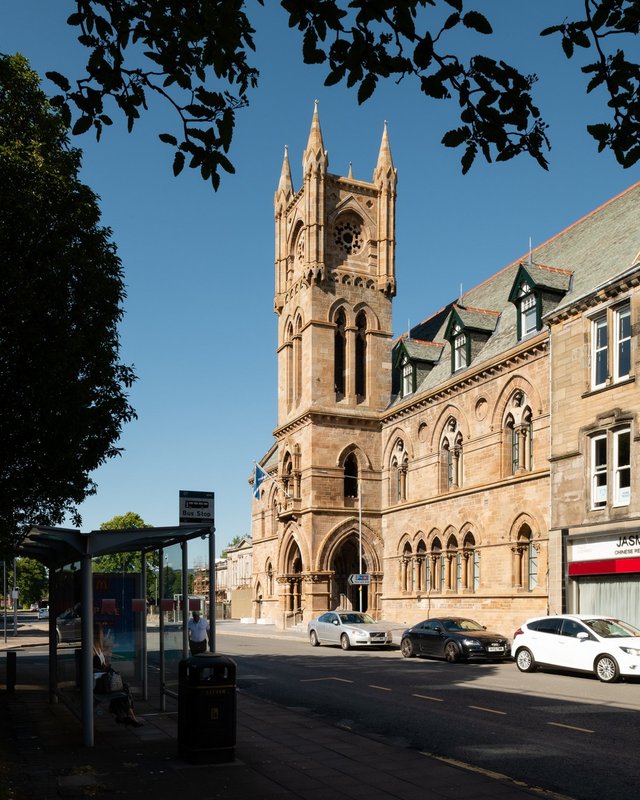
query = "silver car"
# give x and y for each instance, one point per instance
(348, 629)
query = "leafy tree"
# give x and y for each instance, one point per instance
(123, 562)
(33, 583)
(62, 389)
(196, 57)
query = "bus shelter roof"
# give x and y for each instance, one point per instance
(57, 547)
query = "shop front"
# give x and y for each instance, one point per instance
(603, 575)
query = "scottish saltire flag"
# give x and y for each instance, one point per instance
(259, 477)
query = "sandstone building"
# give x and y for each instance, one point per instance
(463, 466)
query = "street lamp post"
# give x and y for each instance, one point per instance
(359, 542)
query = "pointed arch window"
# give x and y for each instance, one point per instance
(437, 565)
(407, 568)
(287, 476)
(471, 566)
(518, 437)
(289, 364)
(269, 579)
(361, 356)
(422, 563)
(525, 560)
(297, 360)
(351, 476)
(451, 456)
(339, 356)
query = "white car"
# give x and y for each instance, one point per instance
(605, 646)
(349, 629)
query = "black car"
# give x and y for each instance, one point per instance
(454, 639)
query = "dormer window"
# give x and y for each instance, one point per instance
(528, 311)
(536, 290)
(460, 350)
(407, 376)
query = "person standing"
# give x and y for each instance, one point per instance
(198, 633)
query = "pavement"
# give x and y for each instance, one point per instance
(280, 753)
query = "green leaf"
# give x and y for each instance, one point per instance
(167, 138)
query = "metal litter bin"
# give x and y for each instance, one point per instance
(207, 709)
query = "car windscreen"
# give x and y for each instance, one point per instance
(612, 628)
(356, 619)
(461, 625)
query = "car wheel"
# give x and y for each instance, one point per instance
(525, 660)
(606, 669)
(345, 644)
(407, 649)
(313, 638)
(451, 652)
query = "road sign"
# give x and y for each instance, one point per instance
(196, 507)
(360, 580)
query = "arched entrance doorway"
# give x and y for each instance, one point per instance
(291, 583)
(346, 562)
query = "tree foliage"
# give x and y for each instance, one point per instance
(122, 562)
(196, 57)
(62, 388)
(32, 581)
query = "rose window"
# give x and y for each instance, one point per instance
(348, 236)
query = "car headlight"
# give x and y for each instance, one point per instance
(471, 642)
(631, 651)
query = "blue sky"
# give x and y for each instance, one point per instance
(200, 328)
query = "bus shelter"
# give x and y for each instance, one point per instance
(68, 555)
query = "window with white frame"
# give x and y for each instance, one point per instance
(611, 346)
(528, 311)
(622, 467)
(407, 376)
(459, 348)
(611, 468)
(532, 566)
(622, 342)
(600, 360)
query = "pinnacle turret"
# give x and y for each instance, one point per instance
(285, 184)
(384, 167)
(314, 152)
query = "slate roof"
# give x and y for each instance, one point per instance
(592, 251)
(423, 351)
